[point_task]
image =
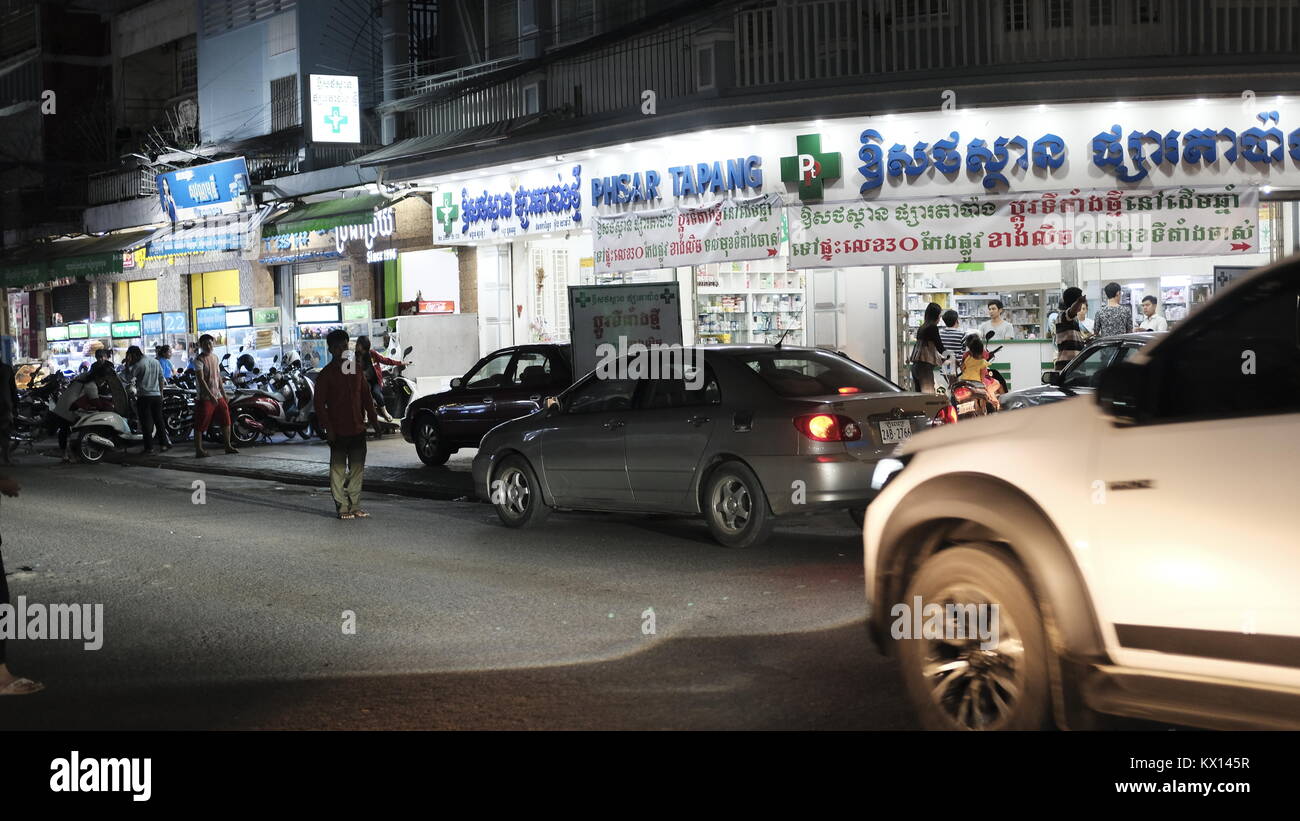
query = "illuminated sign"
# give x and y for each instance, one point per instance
(317, 314)
(79, 331)
(239, 318)
(126, 330)
(56, 333)
(151, 323)
(100, 329)
(211, 319)
(335, 109)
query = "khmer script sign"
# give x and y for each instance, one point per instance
(1053, 225)
(665, 238)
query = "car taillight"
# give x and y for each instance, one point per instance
(962, 394)
(847, 390)
(947, 415)
(827, 427)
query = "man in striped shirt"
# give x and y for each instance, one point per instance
(952, 338)
(1069, 330)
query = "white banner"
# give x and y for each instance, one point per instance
(669, 237)
(622, 315)
(1067, 225)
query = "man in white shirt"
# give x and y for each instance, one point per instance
(1000, 327)
(1151, 320)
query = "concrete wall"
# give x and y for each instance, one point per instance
(235, 74)
(151, 25)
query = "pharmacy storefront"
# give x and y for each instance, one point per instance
(839, 233)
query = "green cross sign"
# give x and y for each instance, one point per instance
(810, 167)
(447, 214)
(336, 119)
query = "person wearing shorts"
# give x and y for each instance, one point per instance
(211, 407)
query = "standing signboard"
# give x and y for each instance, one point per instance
(621, 316)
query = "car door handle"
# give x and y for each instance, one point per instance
(698, 420)
(537, 397)
(487, 400)
(614, 424)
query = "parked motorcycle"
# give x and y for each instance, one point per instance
(276, 402)
(398, 389)
(34, 414)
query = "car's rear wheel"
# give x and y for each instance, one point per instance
(995, 680)
(429, 444)
(517, 495)
(736, 507)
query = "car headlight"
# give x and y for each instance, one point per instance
(886, 469)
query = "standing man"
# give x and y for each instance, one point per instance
(343, 404)
(1151, 320)
(212, 406)
(147, 375)
(1113, 318)
(11, 685)
(1000, 327)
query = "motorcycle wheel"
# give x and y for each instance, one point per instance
(88, 450)
(241, 432)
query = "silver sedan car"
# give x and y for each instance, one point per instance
(745, 434)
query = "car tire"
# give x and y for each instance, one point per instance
(952, 683)
(428, 442)
(517, 495)
(735, 507)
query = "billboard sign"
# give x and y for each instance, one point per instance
(205, 190)
(335, 109)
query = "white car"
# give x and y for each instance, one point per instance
(1139, 544)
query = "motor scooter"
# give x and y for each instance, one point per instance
(969, 398)
(398, 389)
(275, 402)
(99, 432)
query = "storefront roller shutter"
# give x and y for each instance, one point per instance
(72, 301)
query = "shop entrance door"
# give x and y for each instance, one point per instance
(496, 328)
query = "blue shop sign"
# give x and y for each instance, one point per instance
(739, 174)
(204, 190)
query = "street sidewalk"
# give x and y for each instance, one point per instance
(391, 466)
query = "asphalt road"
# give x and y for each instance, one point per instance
(229, 614)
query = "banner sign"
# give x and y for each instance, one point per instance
(622, 315)
(1068, 225)
(722, 232)
(204, 190)
(513, 206)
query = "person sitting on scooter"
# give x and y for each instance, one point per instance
(88, 392)
(975, 366)
(369, 361)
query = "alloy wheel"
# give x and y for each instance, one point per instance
(515, 494)
(976, 688)
(733, 504)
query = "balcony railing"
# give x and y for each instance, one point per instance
(843, 39)
(802, 42)
(119, 186)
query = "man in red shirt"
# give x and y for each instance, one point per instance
(343, 404)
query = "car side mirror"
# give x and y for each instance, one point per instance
(1121, 390)
(457, 382)
(1051, 377)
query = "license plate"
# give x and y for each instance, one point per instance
(895, 430)
(966, 407)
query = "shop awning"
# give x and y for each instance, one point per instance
(69, 258)
(213, 234)
(322, 216)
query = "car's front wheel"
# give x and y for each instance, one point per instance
(735, 507)
(517, 495)
(981, 659)
(429, 444)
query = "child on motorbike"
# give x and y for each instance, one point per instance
(975, 368)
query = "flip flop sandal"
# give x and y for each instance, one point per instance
(361, 514)
(21, 687)
(347, 516)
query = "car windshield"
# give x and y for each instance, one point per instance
(814, 373)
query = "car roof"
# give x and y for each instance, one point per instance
(1136, 336)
